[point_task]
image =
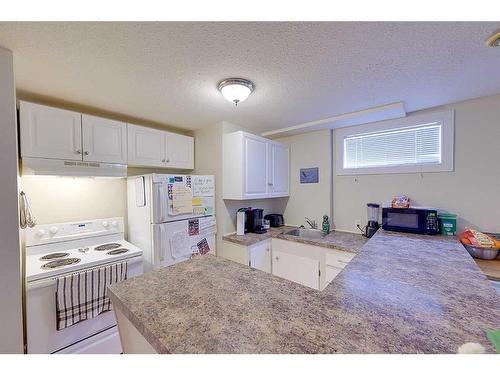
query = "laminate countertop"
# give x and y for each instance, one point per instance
(400, 294)
(344, 241)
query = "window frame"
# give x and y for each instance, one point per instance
(446, 118)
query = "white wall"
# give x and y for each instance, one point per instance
(471, 191)
(11, 327)
(58, 199)
(312, 200)
(208, 160)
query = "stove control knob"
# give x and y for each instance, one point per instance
(105, 224)
(53, 230)
(41, 232)
(114, 223)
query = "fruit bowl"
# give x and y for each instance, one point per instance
(482, 252)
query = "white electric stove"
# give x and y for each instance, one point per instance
(59, 249)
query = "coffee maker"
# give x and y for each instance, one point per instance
(254, 220)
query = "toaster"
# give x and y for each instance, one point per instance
(275, 220)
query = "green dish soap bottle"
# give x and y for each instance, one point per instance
(326, 224)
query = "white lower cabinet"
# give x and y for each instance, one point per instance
(256, 256)
(296, 268)
(260, 256)
(308, 265)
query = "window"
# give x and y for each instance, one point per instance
(419, 143)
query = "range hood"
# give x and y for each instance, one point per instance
(56, 167)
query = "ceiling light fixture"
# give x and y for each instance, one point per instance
(494, 39)
(236, 90)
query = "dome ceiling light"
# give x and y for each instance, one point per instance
(236, 90)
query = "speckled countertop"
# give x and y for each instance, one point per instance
(400, 294)
(334, 240)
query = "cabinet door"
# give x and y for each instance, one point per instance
(255, 167)
(180, 151)
(50, 132)
(146, 147)
(104, 140)
(260, 256)
(295, 268)
(279, 170)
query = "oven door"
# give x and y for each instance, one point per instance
(407, 220)
(42, 335)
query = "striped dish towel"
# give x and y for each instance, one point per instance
(84, 295)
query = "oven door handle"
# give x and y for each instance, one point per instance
(30, 285)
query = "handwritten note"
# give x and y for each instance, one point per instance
(203, 186)
(182, 200)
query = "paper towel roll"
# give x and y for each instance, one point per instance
(240, 223)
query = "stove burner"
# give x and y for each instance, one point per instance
(54, 256)
(117, 251)
(107, 246)
(60, 263)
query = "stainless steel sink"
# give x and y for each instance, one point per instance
(312, 234)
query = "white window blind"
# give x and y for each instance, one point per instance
(416, 145)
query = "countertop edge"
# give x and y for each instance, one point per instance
(143, 330)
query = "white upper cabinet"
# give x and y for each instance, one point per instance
(53, 133)
(254, 167)
(279, 170)
(104, 140)
(146, 147)
(156, 148)
(50, 133)
(180, 151)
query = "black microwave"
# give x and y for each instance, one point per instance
(410, 220)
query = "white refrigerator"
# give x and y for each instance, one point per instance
(171, 217)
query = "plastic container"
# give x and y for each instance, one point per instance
(448, 224)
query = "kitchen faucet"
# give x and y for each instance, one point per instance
(311, 223)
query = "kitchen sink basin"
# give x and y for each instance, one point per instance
(312, 234)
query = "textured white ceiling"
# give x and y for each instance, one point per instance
(168, 72)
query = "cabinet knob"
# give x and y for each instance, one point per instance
(78, 152)
(168, 160)
(163, 161)
(267, 250)
(86, 153)
(277, 258)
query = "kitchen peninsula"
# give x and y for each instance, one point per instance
(400, 294)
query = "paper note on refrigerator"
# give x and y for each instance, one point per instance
(179, 245)
(197, 201)
(207, 226)
(203, 186)
(182, 200)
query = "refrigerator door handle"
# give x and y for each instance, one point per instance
(161, 248)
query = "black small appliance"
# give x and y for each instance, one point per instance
(410, 220)
(372, 226)
(275, 220)
(254, 222)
